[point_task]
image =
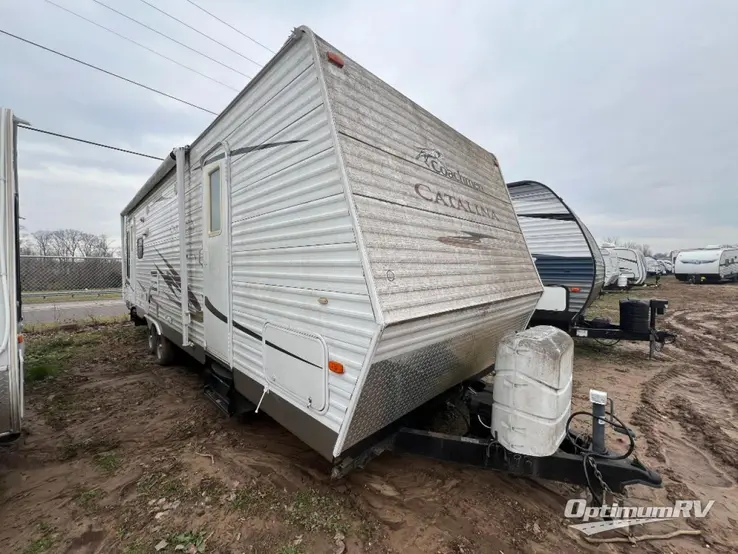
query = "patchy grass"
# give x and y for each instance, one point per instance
(260, 497)
(108, 462)
(289, 549)
(162, 484)
(76, 325)
(45, 542)
(314, 511)
(48, 354)
(88, 500)
(189, 539)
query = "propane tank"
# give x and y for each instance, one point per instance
(532, 390)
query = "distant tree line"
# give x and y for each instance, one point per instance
(67, 243)
(68, 259)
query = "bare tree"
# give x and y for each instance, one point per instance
(613, 240)
(646, 249)
(67, 242)
(44, 242)
(104, 246)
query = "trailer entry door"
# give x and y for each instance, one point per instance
(216, 260)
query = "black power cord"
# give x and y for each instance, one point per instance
(589, 453)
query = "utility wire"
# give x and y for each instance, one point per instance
(90, 142)
(141, 45)
(199, 32)
(107, 72)
(170, 38)
(232, 27)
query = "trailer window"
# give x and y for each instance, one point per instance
(214, 195)
(140, 248)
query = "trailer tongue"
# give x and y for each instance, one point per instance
(522, 423)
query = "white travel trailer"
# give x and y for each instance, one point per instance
(632, 264)
(11, 341)
(652, 266)
(711, 265)
(612, 267)
(565, 252)
(335, 254)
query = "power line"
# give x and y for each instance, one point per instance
(201, 33)
(170, 38)
(232, 27)
(141, 45)
(107, 72)
(90, 142)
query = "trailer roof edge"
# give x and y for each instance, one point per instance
(168, 164)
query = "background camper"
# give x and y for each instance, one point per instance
(566, 255)
(633, 264)
(713, 265)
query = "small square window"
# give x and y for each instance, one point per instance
(140, 248)
(214, 194)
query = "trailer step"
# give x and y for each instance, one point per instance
(220, 390)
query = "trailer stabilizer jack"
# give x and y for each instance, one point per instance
(562, 466)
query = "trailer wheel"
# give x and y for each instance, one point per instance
(153, 339)
(164, 351)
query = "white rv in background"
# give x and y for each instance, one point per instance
(652, 266)
(612, 267)
(711, 265)
(336, 254)
(633, 264)
(11, 341)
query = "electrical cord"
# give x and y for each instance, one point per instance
(589, 453)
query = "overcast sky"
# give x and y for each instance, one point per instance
(627, 109)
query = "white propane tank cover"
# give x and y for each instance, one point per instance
(532, 390)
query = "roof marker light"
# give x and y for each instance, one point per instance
(336, 59)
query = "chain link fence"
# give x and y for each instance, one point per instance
(55, 277)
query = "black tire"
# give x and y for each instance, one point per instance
(153, 339)
(164, 351)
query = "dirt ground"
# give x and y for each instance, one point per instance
(121, 455)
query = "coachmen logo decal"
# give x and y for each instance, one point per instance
(432, 159)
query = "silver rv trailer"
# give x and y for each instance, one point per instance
(565, 252)
(612, 267)
(633, 264)
(652, 266)
(336, 254)
(11, 341)
(711, 265)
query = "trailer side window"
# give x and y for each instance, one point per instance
(140, 248)
(214, 196)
